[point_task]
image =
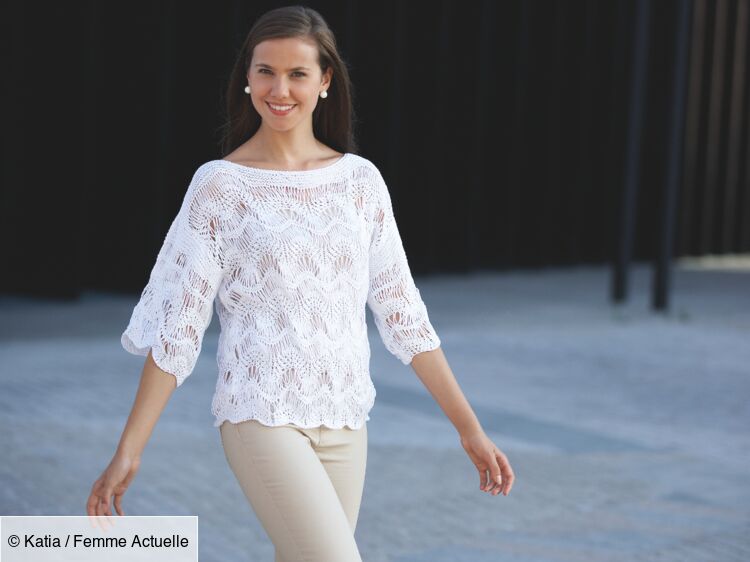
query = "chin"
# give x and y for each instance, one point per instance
(282, 129)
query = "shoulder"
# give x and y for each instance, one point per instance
(209, 191)
(367, 177)
(363, 167)
(370, 182)
(208, 172)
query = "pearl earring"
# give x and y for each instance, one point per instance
(323, 94)
(247, 89)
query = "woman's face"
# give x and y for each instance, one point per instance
(285, 72)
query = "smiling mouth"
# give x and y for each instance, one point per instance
(281, 109)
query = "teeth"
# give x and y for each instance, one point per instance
(281, 107)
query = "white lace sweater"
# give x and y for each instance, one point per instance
(290, 259)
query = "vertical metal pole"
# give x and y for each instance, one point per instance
(689, 187)
(660, 295)
(633, 151)
(744, 225)
(739, 80)
(713, 140)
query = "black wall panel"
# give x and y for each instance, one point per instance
(500, 128)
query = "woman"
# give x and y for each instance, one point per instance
(290, 235)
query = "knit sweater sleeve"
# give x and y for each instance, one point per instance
(398, 310)
(176, 305)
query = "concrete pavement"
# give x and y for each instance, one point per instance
(627, 430)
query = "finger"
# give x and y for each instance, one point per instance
(482, 478)
(91, 504)
(493, 487)
(509, 478)
(104, 506)
(496, 473)
(98, 500)
(118, 504)
(507, 474)
(497, 485)
(488, 483)
(99, 495)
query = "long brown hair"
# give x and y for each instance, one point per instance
(333, 120)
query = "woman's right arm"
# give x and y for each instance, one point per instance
(169, 321)
(154, 391)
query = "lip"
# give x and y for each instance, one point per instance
(281, 113)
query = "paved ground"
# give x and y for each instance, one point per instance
(627, 430)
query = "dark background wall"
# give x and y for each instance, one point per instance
(500, 128)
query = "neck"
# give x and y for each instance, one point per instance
(285, 148)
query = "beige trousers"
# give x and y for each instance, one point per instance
(304, 485)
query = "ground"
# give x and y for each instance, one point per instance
(627, 429)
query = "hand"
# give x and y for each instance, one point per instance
(114, 480)
(487, 457)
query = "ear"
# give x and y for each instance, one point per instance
(325, 81)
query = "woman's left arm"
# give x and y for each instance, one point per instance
(433, 370)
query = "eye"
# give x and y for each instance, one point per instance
(298, 73)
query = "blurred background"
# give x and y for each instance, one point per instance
(525, 122)
(571, 180)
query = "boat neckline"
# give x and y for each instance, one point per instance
(272, 171)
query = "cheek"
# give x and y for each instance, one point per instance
(302, 93)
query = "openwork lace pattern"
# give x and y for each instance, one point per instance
(289, 260)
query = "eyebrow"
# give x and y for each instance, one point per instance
(264, 65)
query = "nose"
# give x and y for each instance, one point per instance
(280, 89)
